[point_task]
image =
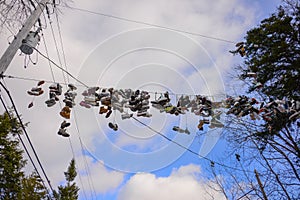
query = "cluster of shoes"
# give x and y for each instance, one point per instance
(69, 102)
(239, 49)
(36, 91)
(91, 97)
(242, 106)
(275, 112)
(63, 129)
(54, 92)
(139, 102)
(164, 105)
(70, 96)
(278, 112)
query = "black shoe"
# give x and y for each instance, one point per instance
(64, 124)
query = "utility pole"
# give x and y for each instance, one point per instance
(260, 185)
(16, 43)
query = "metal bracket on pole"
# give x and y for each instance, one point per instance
(16, 43)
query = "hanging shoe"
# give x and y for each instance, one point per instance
(200, 125)
(84, 104)
(187, 131)
(103, 110)
(69, 103)
(92, 90)
(177, 129)
(71, 94)
(53, 86)
(126, 116)
(85, 93)
(108, 114)
(36, 89)
(40, 83)
(64, 124)
(145, 102)
(52, 95)
(34, 93)
(50, 102)
(63, 133)
(72, 86)
(56, 87)
(30, 105)
(113, 126)
(65, 112)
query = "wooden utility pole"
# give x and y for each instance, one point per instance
(260, 185)
(16, 43)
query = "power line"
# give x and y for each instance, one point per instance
(61, 42)
(149, 24)
(186, 148)
(66, 81)
(61, 68)
(90, 181)
(27, 136)
(25, 148)
(150, 92)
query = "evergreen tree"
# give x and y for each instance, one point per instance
(13, 182)
(273, 53)
(11, 159)
(32, 188)
(70, 191)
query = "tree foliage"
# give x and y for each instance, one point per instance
(271, 144)
(70, 190)
(14, 184)
(273, 53)
(11, 159)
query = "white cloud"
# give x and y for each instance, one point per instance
(96, 177)
(183, 183)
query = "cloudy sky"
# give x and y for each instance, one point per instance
(100, 50)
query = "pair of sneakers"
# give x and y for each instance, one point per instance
(35, 91)
(180, 130)
(56, 88)
(55, 91)
(89, 101)
(62, 130)
(113, 126)
(70, 96)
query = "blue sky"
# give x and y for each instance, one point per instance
(108, 52)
